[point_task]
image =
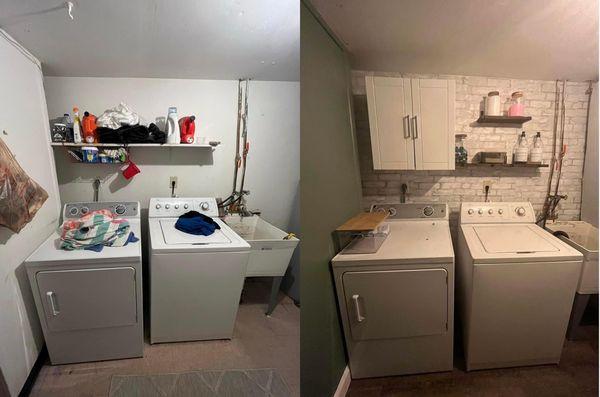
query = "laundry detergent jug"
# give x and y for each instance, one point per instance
(173, 135)
(187, 127)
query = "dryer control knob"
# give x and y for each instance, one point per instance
(73, 211)
(520, 211)
(480, 211)
(120, 209)
(470, 211)
(500, 211)
(204, 206)
(176, 206)
(185, 206)
(167, 206)
(158, 206)
(428, 211)
(490, 211)
(85, 210)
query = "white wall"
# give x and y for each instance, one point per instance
(273, 132)
(589, 198)
(24, 122)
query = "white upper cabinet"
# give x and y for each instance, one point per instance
(411, 123)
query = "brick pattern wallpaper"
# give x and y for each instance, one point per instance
(467, 184)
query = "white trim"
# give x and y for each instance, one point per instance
(344, 384)
(9, 39)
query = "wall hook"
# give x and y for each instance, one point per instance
(69, 5)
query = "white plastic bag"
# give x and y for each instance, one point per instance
(117, 117)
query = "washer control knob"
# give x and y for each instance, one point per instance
(480, 211)
(428, 211)
(85, 210)
(470, 211)
(120, 209)
(392, 212)
(176, 206)
(204, 206)
(490, 211)
(158, 206)
(167, 206)
(185, 206)
(520, 211)
(73, 211)
(500, 211)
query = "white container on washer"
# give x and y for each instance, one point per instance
(493, 107)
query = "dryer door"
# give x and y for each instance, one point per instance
(396, 303)
(88, 298)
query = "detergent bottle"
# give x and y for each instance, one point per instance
(88, 125)
(187, 127)
(173, 135)
(76, 126)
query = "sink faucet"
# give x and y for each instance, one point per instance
(403, 189)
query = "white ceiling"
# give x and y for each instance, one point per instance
(206, 39)
(530, 39)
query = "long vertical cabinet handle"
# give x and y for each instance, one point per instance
(416, 128)
(51, 299)
(406, 126)
(359, 317)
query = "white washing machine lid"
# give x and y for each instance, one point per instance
(491, 243)
(49, 251)
(164, 238)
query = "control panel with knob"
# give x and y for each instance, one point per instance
(120, 209)
(174, 207)
(84, 210)
(478, 212)
(204, 206)
(124, 209)
(428, 211)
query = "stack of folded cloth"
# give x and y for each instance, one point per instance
(193, 222)
(95, 230)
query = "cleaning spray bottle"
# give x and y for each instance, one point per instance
(173, 134)
(76, 126)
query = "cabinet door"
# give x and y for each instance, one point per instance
(389, 102)
(396, 303)
(88, 298)
(432, 123)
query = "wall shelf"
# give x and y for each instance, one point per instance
(516, 165)
(169, 145)
(520, 120)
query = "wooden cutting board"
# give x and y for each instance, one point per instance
(363, 222)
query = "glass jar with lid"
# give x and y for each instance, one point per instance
(517, 106)
(492, 104)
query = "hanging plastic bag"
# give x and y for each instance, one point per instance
(20, 196)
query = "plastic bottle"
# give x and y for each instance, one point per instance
(536, 151)
(76, 126)
(88, 125)
(187, 126)
(173, 134)
(522, 151)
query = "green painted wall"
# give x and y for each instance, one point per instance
(330, 194)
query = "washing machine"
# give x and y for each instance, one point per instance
(195, 281)
(90, 303)
(515, 286)
(397, 304)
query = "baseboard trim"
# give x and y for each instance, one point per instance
(35, 371)
(344, 384)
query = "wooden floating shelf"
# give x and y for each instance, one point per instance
(516, 165)
(503, 119)
(363, 222)
(169, 145)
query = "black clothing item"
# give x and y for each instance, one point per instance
(131, 134)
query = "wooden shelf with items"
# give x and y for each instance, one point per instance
(515, 165)
(514, 120)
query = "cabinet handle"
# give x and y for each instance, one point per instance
(359, 317)
(416, 128)
(50, 295)
(406, 126)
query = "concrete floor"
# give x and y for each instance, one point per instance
(258, 342)
(576, 375)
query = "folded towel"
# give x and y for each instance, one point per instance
(193, 222)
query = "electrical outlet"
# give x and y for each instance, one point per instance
(171, 180)
(487, 183)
